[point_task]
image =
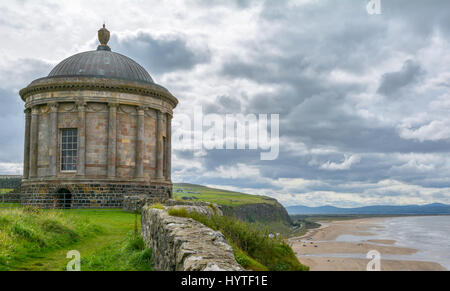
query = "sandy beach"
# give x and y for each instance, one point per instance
(321, 252)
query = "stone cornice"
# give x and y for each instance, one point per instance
(97, 84)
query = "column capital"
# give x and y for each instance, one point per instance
(27, 111)
(81, 105)
(113, 105)
(53, 106)
(159, 114)
(35, 110)
(141, 110)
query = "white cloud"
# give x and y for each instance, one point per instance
(348, 162)
(278, 36)
(435, 130)
(240, 171)
(11, 168)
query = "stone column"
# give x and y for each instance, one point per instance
(34, 133)
(26, 156)
(140, 144)
(159, 146)
(81, 162)
(112, 139)
(53, 140)
(169, 147)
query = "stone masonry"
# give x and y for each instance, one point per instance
(181, 244)
(123, 125)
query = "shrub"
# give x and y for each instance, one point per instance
(253, 247)
(135, 243)
(246, 262)
(179, 212)
(214, 208)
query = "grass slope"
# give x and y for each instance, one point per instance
(39, 240)
(5, 191)
(221, 197)
(232, 199)
(253, 248)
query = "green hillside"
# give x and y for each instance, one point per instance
(263, 211)
(218, 196)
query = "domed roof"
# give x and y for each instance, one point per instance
(102, 63)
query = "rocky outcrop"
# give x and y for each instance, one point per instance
(262, 212)
(182, 244)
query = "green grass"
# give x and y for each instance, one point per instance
(28, 232)
(126, 255)
(246, 261)
(5, 191)
(253, 248)
(91, 232)
(230, 199)
(157, 206)
(217, 196)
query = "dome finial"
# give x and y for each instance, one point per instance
(103, 37)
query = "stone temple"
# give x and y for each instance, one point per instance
(97, 128)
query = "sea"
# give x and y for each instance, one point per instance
(430, 235)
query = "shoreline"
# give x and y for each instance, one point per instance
(320, 250)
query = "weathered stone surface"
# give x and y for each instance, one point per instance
(134, 203)
(205, 210)
(90, 195)
(114, 109)
(181, 244)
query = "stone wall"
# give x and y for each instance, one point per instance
(132, 203)
(181, 244)
(12, 197)
(93, 195)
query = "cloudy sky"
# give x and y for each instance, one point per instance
(364, 100)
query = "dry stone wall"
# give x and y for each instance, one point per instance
(182, 244)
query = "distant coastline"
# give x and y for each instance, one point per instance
(342, 245)
(382, 210)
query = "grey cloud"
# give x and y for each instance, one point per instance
(17, 74)
(14, 76)
(161, 55)
(213, 3)
(323, 37)
(224, 104)
(296, 51)
(12, 126)
(392, 82)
